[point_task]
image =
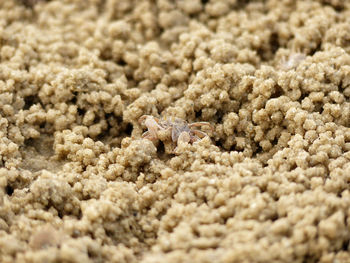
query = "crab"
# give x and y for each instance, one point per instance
(292, 61)
(181, 131)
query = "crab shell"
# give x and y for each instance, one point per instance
(180, 129)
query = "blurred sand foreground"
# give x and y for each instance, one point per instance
(269, 184)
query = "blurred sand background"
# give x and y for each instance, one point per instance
(269, 184)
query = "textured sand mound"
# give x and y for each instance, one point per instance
(269, 184)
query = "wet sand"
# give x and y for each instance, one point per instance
(269, 183)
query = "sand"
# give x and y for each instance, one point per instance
(79, 183)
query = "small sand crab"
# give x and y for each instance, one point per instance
(293, 61)
(180, 129)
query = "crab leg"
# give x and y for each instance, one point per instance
(200, 134)
(148, 136)
(199, 124)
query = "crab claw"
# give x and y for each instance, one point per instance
(143, 118)
(184, 137)
(152, 125)
(147, 118)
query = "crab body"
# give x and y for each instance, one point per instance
(181, 131)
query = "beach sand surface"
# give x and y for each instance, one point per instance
(269, 182)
